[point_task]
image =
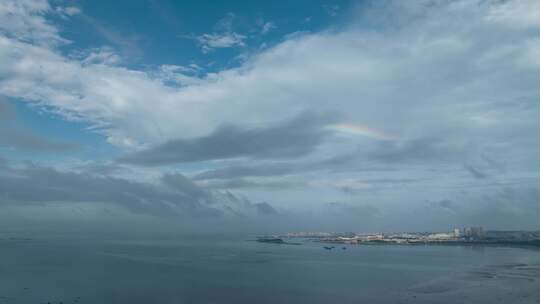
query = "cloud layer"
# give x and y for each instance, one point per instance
(432, 99)
(172, 195)
(417, 77)
(297, 137)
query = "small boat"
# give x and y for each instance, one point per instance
(273, 240)
(328, 247)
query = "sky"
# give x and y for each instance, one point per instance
(270, 116)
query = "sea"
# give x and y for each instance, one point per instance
(219, 269)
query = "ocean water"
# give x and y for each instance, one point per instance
(237, 270)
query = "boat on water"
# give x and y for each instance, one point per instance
(273, 240)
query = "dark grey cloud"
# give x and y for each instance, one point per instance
(348, 216)
(391, 180)
(174, 195)
(102, 168)
(424, 149)
(445, 205)
(384, 156)
(494, 164)
(350, 209)
(297, 137)
(265, 209)
(35, 184)
(475, 172)
(249, 208)
(512, 207)
(181, 183)
(345, 162)
(14, 135)
(269, 169)
(527, 198)
(242, 183)
(249, 176)
(378, 184)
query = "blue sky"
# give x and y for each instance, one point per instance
(158, 32)
(155, 33)
(340, 115)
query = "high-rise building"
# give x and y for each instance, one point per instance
(473, 232)
(477, 232)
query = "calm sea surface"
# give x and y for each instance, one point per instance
(220, 270)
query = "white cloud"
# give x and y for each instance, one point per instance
(179, 75)
(24, 20)
(223, 36)
(264, 26)
(452, 82)
(517, 13)
(104, 55)
(213, 41)
(68, 11)
(267, 27)
(438, 71)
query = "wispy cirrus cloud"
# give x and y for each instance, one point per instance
(265, 26)
(23, 20)
(223, 36)
(128, 44)
(209, 42)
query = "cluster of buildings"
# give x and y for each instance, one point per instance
(310, 234)
(456, 235)
(464, 236)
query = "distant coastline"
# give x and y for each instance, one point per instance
(534, 243)
(460, 237)
(275, 240)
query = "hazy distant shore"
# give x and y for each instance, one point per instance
(520, 244)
